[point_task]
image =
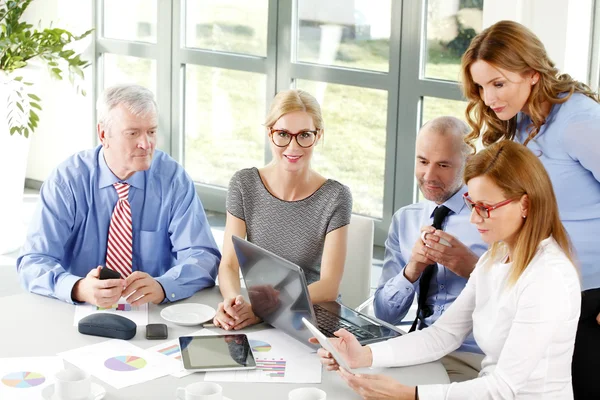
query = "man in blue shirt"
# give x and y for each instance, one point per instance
(440, 160)
(171, 252)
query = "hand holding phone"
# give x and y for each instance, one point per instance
(107, 273)
(327, 345)
(441, 240)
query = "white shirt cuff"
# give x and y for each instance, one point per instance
(433, 392)
(383, 354)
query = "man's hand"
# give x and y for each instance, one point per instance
(92, 290)
(418, 259)
(457, 257)
(141, 288)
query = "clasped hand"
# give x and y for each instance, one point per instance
(235, 313)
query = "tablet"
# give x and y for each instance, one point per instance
(216, 353)
(327, 345)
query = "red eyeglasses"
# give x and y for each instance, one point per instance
(483, 211)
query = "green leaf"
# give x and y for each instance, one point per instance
(34, 97)
(35, 105)
(20, 107)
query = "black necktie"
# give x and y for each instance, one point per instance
(423, 311)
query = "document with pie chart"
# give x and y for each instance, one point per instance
(121, 364)
(26, 377)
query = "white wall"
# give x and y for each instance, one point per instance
(563, 26)
(66, 119)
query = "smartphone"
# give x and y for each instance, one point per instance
(156, 331)
(107, 273)
(442, 240)
(327, 345)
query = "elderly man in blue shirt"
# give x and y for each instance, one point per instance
(417, 259)
(123, 205)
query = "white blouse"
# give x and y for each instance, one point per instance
(526, 331)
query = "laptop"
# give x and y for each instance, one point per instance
(279, 295)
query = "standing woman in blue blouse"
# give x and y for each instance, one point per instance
(515, 92)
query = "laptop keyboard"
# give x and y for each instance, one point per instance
(329, 323)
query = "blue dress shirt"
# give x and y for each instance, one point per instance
(568, 145)
(395, 293)
(172, 240)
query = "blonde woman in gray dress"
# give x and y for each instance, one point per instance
(287, 208)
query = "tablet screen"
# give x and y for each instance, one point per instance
(216, 352)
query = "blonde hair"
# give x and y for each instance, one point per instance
(293, 100)
(511, 46)
(517, 172)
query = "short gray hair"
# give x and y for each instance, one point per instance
(447, 125)
(137, 99)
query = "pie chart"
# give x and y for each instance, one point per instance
(260, 346)
(23, 380)
(125, 363)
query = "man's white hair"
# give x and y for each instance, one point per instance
(137, 99)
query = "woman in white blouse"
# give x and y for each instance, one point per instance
(522, 301)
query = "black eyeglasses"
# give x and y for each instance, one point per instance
(282, 138)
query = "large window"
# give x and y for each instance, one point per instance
(379, 69)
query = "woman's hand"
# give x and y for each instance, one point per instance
(377, 387)
(347, 345)
(234, 314)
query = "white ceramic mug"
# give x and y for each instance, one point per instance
(200, 391)
(307, 393)
(72, 384)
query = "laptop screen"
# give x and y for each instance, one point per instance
(276, 287)
(279, 295)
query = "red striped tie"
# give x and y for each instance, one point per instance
(119, 251)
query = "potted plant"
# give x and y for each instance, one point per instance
(21, 44)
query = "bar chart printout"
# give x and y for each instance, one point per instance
(279, 359)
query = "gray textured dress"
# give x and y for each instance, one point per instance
(294, 230)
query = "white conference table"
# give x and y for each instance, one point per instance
(34, 325)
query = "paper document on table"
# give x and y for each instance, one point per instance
(279, 358)
(172, 350)
(138, 314)
(121, 364)
(26, 377)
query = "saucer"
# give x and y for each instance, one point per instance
(97, 393)
(188, 314)
(224, 398)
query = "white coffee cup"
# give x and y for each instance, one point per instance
(72, 384)
(200, 391)
(307, 393)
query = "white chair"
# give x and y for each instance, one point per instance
(356, 282)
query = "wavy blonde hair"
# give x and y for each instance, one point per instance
(517, 172)
(293, 100)
(511, 46)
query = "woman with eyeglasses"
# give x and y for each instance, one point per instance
(515, 92)
(521, 302)
(287, 208)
